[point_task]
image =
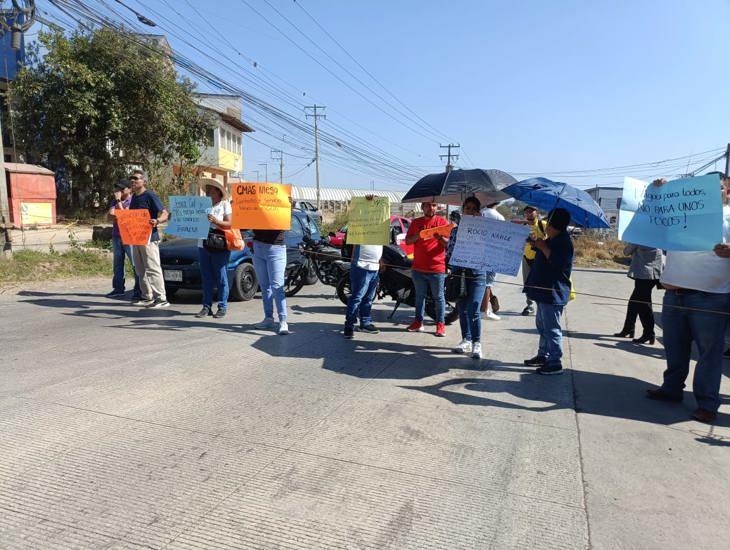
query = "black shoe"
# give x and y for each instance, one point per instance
(625, 333)
(204, 312)
(535, 361)
(727, 353)
(529, 310)
(348, 333)
(115, 294)
(645, 339)
(660, 395)
(219, 314)
(548, 370)
(369, 328)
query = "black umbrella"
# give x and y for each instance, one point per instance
(454, 186)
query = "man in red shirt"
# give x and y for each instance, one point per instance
(429, 266)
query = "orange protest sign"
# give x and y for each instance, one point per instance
(134, 225)
(261, 206)
(443, 230)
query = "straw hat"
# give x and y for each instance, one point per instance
(205, 182)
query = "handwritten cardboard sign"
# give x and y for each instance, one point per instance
(261, 206)
(189, 217)
(134, 226)
(369, 221)
(684, 214)
(485, 244)
(443, 230)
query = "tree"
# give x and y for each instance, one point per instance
(97, 102)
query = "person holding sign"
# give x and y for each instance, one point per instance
(364, 273)
(120, 201)
(469, 305)
(549, 286)
(147, 257)
(213, 251)
(695, 309)
(429, 266)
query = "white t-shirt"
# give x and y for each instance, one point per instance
(367, 256)
(704, 271)
(493, 214)
(221, 209)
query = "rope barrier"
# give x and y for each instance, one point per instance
(586, 294)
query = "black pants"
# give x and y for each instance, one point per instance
(640, 306)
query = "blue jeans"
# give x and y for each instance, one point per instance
(422, 282)
(468, 306)
(547, 321)
(269, 261)
(119, 252)
(364, 283)
(707, 330)
(214, 273)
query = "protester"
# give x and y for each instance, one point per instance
(549, 286)
(213, 251)
(476, 284)
(695, 308)
(269, 261)
(146, 258)
(645, 270)
(120, 201)
(364, 274)
(490, 303)
(429, 266)
(537, 231)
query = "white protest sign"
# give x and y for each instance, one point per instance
(485, 244)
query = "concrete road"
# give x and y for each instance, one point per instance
(123, 428)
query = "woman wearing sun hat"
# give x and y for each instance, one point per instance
(213, 252)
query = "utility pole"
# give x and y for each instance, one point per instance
(727, 161)
(16, 20)
(277, 154)
(449, 155)
(316, 116)
(266, 171)
(257, 174)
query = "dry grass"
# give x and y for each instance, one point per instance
(33, 265)
(599, 251)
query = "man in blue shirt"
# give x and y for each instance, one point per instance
(549, 286)
(147, 257)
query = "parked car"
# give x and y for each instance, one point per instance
(181, 270)
(398, 229)
(310, 209)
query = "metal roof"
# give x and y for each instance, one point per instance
(342, 194)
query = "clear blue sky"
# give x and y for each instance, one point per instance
(529, 87)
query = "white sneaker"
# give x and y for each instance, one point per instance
(463, 347)
(283, 328)
(266, 324)
(476, 351)
(142, 302)
(492, 316)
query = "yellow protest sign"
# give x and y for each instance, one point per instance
(261, 206)
(369, 221)
(134, 226)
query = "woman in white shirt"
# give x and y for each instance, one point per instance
(213, 251)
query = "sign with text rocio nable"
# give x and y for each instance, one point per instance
(261, 206)
(189, 217)
(485, 244)
(369, 221)
(683, 214)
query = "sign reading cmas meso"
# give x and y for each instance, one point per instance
(261, 206)
(684, 214)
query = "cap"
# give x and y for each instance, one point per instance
(121, 185)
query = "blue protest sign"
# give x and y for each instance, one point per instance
(683, 214)
(189, 217)
(485, 244)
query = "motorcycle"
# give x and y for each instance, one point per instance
(396, 282)
(323, 262)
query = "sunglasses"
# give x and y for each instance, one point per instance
(135, 178)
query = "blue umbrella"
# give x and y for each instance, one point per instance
(546, 194)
